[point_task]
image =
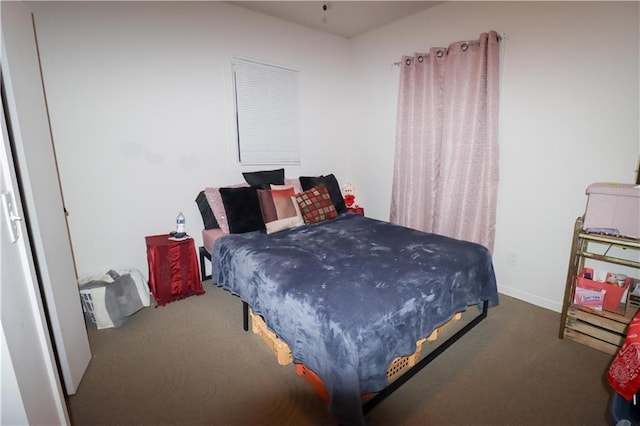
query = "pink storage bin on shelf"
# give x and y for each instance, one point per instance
(613, 206)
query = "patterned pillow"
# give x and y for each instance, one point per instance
(279, 210)
(315, 205)
(330, 181)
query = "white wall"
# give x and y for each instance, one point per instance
(140, 97)
(569, 117)
(141, 106)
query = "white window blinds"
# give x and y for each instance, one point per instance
(267, 113)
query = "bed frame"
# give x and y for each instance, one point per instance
(204, 254)
(393, 386)
(430, 357)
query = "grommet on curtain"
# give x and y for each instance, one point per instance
(464, 47)
(420, 58)
(408, 61)
(440, 53)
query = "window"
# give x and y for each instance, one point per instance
(267, 116)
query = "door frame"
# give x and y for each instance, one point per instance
(31, 387)
(41, 194)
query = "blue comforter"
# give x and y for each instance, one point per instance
(350, 294)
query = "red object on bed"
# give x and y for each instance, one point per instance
(624, 372)
(357, 210)
(173, 269)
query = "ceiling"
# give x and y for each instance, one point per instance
(342, 18)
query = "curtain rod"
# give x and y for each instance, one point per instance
(501, 36)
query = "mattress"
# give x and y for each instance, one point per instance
(209, 236)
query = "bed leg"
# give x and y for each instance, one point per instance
(245, 316)
(203, 254)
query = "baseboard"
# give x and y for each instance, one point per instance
(534, 299)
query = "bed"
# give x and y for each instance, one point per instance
(350, 294)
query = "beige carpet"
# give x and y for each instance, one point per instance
(190, 362)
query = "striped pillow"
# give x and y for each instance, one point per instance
(279, 211)
(315, 205)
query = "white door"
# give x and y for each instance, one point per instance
(42, 196)
(31, 388)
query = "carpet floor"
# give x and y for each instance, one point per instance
(191, 363)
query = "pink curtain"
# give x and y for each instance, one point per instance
(445, 177)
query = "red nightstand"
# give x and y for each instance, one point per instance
(357, 210)
(173, 269)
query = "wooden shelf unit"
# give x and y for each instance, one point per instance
(602, 330)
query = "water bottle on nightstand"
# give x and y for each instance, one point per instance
(180, 229)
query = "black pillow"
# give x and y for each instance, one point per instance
(264, 179)
(208, 218)
(243, 209)
(330, 181)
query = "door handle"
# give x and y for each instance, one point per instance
(10, 215)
